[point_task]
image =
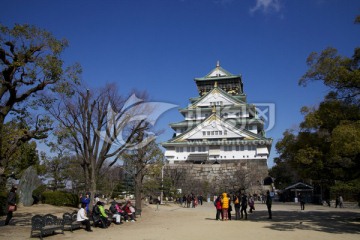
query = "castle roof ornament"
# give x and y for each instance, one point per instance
(218, 63)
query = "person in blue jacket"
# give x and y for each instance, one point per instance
(86, 200)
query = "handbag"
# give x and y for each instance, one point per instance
(12, 208)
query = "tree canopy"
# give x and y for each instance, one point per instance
(30, 68)
(326, 149)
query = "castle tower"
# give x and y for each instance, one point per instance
(219, 126)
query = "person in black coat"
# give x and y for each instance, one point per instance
(302, 201)
(269, 203)
(11, 201)
(244, 203)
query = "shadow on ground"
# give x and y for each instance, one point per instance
(324, 221)
(20, 219)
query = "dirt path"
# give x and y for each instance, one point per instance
(172, 222)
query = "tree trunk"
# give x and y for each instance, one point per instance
(138, 192)
(92, 182)
(2, 158)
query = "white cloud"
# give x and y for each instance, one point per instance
(266, 6)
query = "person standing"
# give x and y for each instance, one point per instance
(269, 203)
(237, 207)
(81, 217)
(244, 203)
(218, 208)
(200, 198)
(225, 206)
(251, 203)
(11, 201)
(302, 201)
(341, 201)
(86, 201)
(230, 207)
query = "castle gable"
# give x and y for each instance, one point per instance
(216, 97)
(215, 128)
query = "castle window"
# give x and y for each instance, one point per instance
(202, 149)
(179, 149)
(227, 148)
(191, 149)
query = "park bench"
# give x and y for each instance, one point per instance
(46, 225)
(70, 221)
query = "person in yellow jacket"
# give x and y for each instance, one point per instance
(225, 206)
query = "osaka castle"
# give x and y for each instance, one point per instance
(219, 126)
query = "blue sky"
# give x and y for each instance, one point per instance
(160, 46)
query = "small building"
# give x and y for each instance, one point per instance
(290, 193)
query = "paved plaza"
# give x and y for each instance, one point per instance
(172, 222)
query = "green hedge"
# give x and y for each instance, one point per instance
(37, 193)
(58, 198)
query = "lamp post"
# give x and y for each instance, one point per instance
(162, 185)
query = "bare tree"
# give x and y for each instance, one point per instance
(140, 161)
(178, 177)
(109, 179)
(100, 126)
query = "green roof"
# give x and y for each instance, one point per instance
(218, 73)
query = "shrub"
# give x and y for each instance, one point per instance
(58, 198)
(37, 193)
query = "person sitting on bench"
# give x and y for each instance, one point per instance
(81, 217)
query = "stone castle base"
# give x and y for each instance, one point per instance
(245, 175)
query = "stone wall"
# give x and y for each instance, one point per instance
(228, 176)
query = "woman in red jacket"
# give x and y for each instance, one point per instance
(129, 212)
(218, 208)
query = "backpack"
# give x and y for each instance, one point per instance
(96, 210)
(112, 209)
